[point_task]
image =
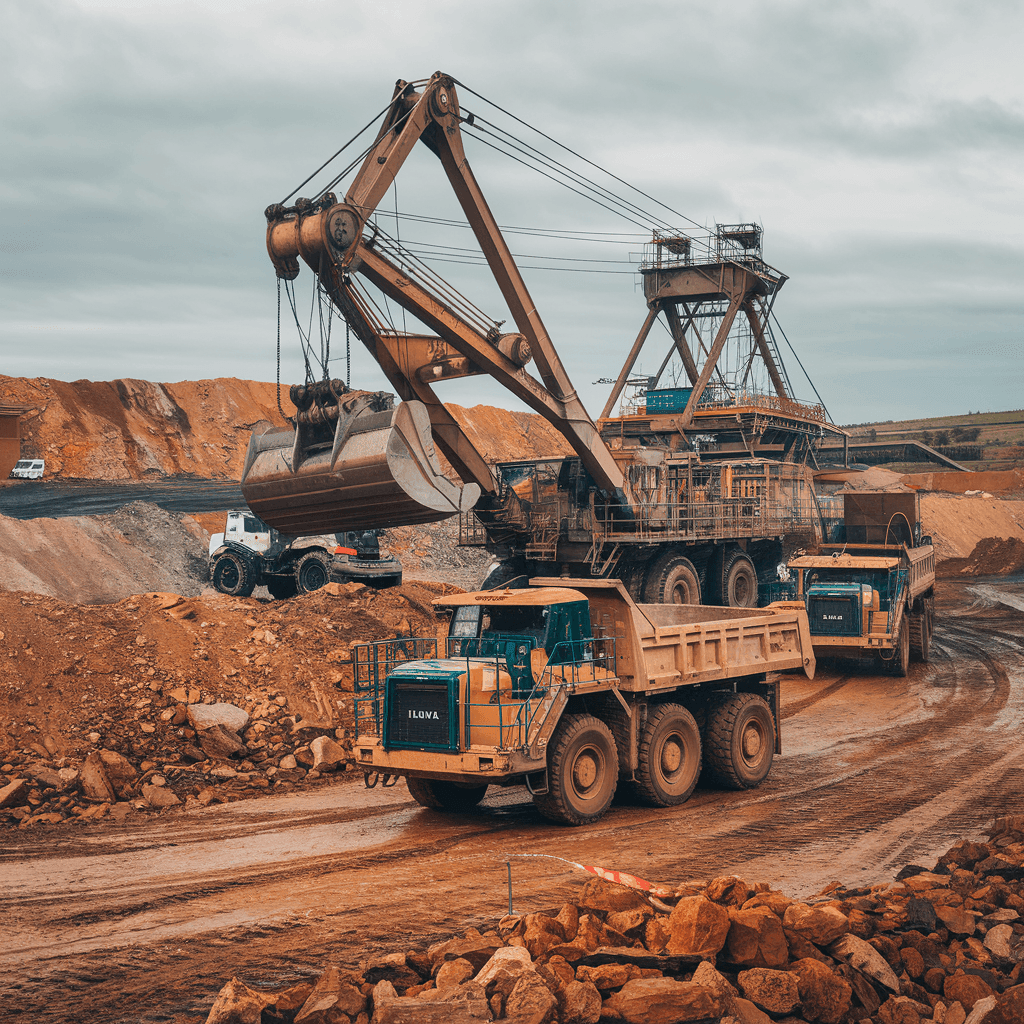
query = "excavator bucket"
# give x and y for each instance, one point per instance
(350, 465)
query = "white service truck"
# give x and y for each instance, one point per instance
(250, 553)
(28, 469)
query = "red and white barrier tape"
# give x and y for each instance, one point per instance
(619, 877)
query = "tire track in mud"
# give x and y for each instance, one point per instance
(802, 705)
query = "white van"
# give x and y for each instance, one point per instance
(28, 469)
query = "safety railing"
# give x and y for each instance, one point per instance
(511, 716)
(897, 581)
(725, 518)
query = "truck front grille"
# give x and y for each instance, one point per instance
(833, 616)
(419, 716)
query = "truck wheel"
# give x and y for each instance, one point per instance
(739, 741)
(583, 769)
(672, 580)
(739, 580)
(233, 574)
(312, 571)
(920, 636)
(445, 796)
(281, 587)
(899, 664)
(669, 761)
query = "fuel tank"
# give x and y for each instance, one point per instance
(353, 463)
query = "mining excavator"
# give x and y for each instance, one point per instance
(636, 501)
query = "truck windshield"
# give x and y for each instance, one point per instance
(873, 577)
(529, 620)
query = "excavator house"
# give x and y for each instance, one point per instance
(687, 494)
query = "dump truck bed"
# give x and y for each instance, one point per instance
(662, 646)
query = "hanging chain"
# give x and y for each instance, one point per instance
(279, 409)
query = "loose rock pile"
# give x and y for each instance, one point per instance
(219, 752)
(162, 700)
(943, 946)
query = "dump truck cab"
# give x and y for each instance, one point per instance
(502, 652)
(569, 685)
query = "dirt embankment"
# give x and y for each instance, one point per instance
(117, 679)
(136, 430)
(103, 559)
(958, 523)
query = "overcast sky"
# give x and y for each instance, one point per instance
(879, 144)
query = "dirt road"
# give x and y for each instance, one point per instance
(146, 923)
(55, 499)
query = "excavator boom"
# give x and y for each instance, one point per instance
(318, 473)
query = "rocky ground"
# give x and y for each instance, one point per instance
(944, 945)
(159, 699)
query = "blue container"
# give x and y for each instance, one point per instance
(668, 399)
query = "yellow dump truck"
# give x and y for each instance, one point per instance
(871, 594)
(569, 687)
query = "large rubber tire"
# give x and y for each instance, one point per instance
(899, 664)
(234, 574)
(583, 770)
(672, 580)
(920, 636)
(669, 756)
(445, 796)
(739, 741)
(312, 571)
(281, 587)
(739, 580)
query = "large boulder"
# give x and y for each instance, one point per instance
(599, 894)
(531, 1001)
(15, 793)
(474, 947)
(221, 743)
(393, 967)
(825, 996)
(159, 797)
(820, 925)
(332, 994)
(756, 939)
(236, 1003)
(697, 927)
(94, 782)
(866, 959)
(206, 716)
(661, 1001)
(958, 921)
(452, 973)
(1009, 1007)
(327, 755)
(774, 992)
(966, 989)
(729, 891)
(120, 772)
(579, 1002)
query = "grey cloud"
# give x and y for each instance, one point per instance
(141, 145)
